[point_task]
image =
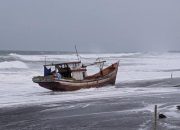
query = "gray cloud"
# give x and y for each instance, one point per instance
(94, 25)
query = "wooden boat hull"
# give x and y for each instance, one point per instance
(106, 77)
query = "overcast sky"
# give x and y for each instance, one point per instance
(93, 25)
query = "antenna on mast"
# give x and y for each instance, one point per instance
(77, 53)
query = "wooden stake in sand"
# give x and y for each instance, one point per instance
(155, 117)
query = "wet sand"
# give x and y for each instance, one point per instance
(130, 112)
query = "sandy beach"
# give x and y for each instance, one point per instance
(123, 112)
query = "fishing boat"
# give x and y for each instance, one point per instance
(71, 76)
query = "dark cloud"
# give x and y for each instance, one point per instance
(94, 25)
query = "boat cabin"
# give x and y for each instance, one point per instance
(69, 70)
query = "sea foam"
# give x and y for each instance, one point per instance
(13, 64)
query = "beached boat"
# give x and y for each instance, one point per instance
(72, 76)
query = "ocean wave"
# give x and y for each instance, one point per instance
(13, 64)
(15, 55)
(109, 55)
(70, 57)
(42, 57)
(8, 58)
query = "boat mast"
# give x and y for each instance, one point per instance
(78, 57)
(100, 65)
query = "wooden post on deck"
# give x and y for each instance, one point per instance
(155, 117)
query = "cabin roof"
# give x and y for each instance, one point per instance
(73, 62)
(94, 63)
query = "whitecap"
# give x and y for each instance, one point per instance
(13, 64)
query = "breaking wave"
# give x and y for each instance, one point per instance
(13, 64)
(64, 57)
(110, 55)
(42, 57)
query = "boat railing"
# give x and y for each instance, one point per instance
(43, 79)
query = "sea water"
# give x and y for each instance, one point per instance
(17, 69)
